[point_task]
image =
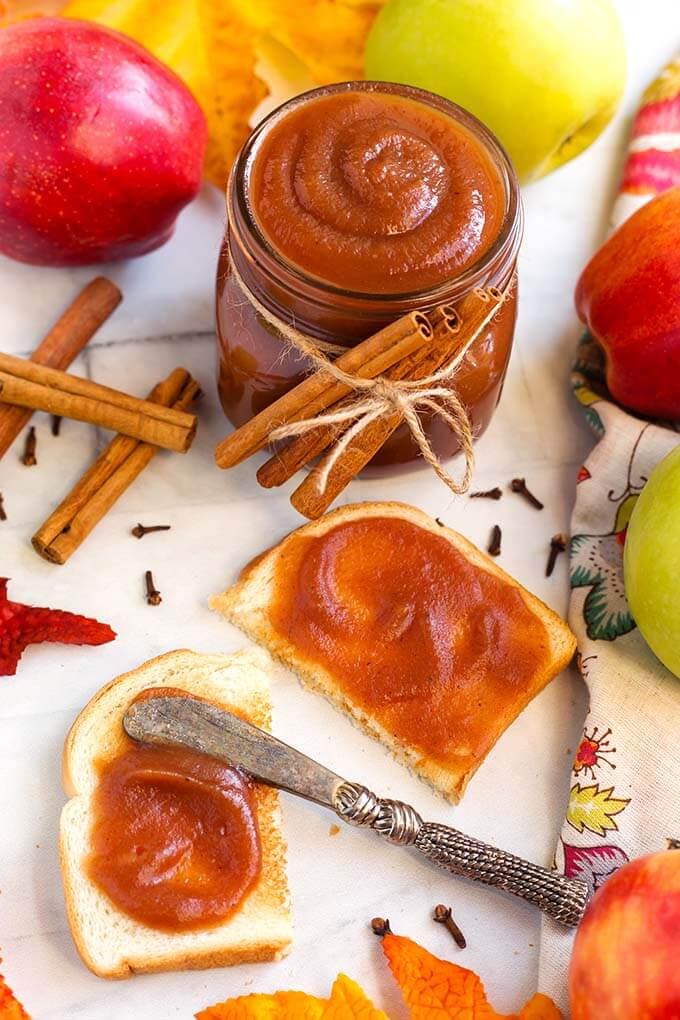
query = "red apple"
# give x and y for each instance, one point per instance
(101, 145)
(626, 959)
(629, 297)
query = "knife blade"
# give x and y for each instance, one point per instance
(202, 726)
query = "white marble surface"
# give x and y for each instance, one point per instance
(219, 521)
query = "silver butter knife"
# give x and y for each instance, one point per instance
(184, 721)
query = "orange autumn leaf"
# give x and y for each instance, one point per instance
(540, 1007)
(216, 46)
(10, 1009)
(279, 1006)
(347, 1002)
(435, 989)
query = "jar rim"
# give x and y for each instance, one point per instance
(502, 251)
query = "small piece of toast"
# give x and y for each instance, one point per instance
(407, 627)
(110, 942)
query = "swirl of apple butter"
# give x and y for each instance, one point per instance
(414, 633)
(375, 193)
(175, 841)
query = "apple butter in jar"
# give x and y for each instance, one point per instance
(347, 207)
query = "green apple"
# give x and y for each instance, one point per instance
(544, 75)
(651, 561)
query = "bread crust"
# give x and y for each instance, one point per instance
(246, 603)
(261, 929)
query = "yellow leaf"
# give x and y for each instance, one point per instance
(328, 36)
(593, 809)
(213, 45)
(210, 45)
(15, 10)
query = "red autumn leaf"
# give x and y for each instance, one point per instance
(30, 625)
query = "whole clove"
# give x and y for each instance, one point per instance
(558, 543)
(56, 424)
(439, 522)
(494, 493)
(28, 458)
(153, 596)
(3, 512)
(519, 485)
(494, 547)
(381, 926)
(140, 530)
(443, 915)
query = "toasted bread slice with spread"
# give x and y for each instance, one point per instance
(484, 689)
(112, 943)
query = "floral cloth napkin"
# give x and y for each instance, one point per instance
(624, 799)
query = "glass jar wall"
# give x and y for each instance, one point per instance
(410, 191)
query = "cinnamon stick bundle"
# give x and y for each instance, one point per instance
(107, 479)
(311, 498)
(297, 452)
(62, 344)
(367, 360)
(40, 388)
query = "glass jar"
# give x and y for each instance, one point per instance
(256, 365)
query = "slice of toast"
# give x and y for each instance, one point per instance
(250, 605)
(110, 942)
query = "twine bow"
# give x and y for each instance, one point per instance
(380, 396)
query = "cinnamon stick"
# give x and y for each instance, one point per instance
(40, 388)
(63, 343)
(318, 391)
(285, 462)
(308, 498)
(111, 474)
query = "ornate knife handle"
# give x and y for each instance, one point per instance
(562, 898)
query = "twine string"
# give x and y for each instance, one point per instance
(381, 396)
